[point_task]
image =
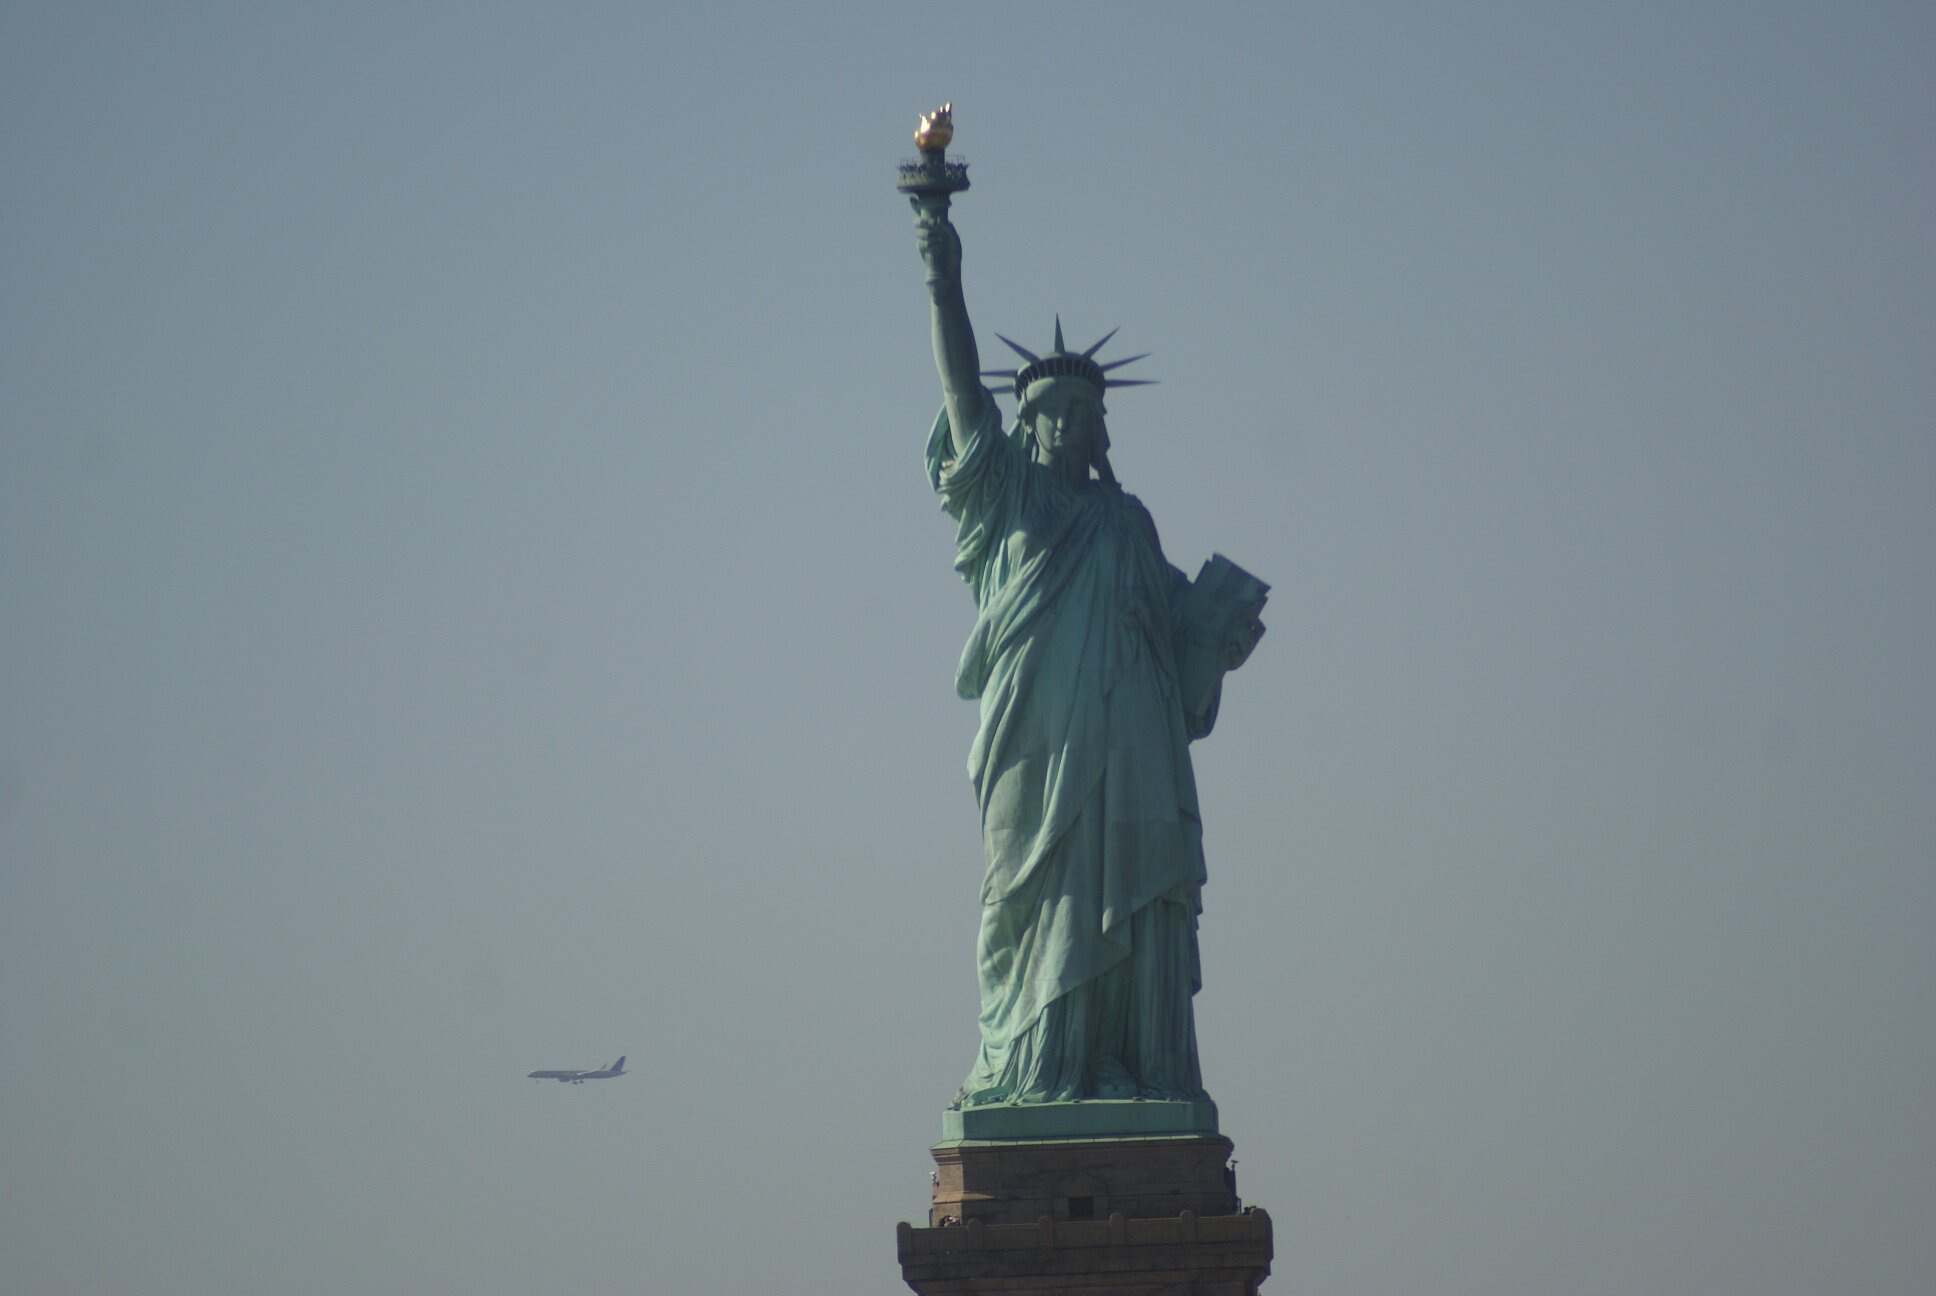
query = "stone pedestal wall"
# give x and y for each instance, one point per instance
(1088, 1179)
(1190, 1255)
(1094, 1217)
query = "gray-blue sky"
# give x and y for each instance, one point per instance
(468, 602)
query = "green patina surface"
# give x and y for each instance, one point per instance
(1094, 664)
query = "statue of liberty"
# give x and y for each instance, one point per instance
(1095, 663)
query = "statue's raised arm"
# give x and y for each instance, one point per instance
(955, 354)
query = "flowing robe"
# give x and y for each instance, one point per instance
(1087, 954)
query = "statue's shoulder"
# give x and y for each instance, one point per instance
(1133, 507)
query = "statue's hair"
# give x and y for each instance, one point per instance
(1099, 460)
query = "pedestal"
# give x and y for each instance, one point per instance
(1126, 1214)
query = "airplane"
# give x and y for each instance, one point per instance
(580, 1077)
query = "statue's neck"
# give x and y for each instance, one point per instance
(1069, 470)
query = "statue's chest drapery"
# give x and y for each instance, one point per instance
(1093, 547)
(1070, 583)
(1074, 588)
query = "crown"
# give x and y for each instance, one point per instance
(1063, 363)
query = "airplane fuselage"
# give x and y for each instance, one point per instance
(580, 1077)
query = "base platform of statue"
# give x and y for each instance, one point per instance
(1129, 1212)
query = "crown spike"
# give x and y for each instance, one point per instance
(1021, 351)
(1112, 383)
(1117, 364)
(1091, 352)
(1058, 333)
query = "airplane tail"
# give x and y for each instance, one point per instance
(618, 1067)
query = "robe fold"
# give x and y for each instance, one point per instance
(1087, 954)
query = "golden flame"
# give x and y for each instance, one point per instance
(936, 129)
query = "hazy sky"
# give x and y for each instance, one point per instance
(469, 602)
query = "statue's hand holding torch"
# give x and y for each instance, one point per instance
(940, 245)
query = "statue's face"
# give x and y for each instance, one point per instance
(1065, 418)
